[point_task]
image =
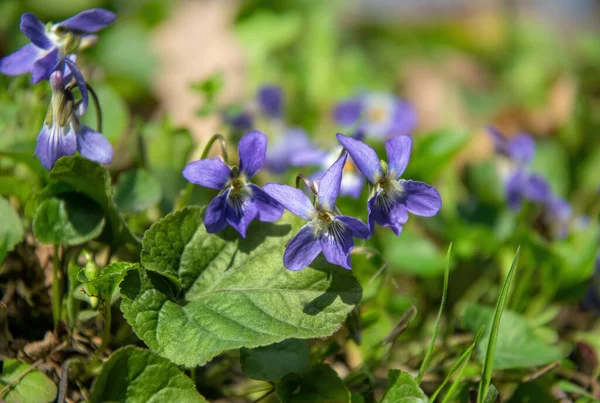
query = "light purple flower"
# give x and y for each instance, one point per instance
(327, 230)
(52, 46)
(352, 179)
(377, 115)
(520, 148)
(63, 134)
(558, 214)
(283, 153)
(393, 198)
(239, 201)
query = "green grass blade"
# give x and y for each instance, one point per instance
(429, 352)
(464, 358)
(486, 372)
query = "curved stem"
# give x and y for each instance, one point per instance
(210, 143)
(106, 330)
(97, 106)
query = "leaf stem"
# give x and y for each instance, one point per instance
(265, 395)
(429, 352)
(57, 286)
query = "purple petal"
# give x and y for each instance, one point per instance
(308, 156)
(45, 66)
(285, 148)
(514, 189)
(560, 209)
(53, 143)
(364, 157)
(356, 226)
(329, 185)
(346, 113)
(293, 199)
(270, 100)
(214, 218)
(337, 243)
(252, 149)
(240, 211)
(500, 142)
(210, 172)
(35, 31)
(387, 212)
(404, 119)
(302, 249)
(420, 198)
(269, 209)
(80, 83)
(398, 151)
(521, 148)
(20, 61)
(94, 146)
(536, 188)
(352, 183)
(241, 121)
(89, 20)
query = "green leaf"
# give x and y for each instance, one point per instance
(464, 358)
(488, 362)
(429, 352)
(224, 292)
(107, 281)
(209, 88)
(77, 174)
(133, 374)
(168, 151)
(14, 186)
(414, 254)
(491, 395)
(29, 385)
(72, 220)
(518, 346)
(402, 388)
(320, 384)
(11, 228)
(136, 190)
(273, 362)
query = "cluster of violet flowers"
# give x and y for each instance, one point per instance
(51, 56)
(521, 184)
(327, 230)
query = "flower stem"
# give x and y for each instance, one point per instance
(97, 106)
(57, 286)
(106, 331)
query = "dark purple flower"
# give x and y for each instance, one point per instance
(63, 134)
(239, 201)
(52, 45)
(393, 198)
(377, 115)
(270, 101)
(242, 121)
(523, 185)
(592, 297)
(327, 231)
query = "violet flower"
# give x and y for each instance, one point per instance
(327, 230)
(378, 115)
(392, 198)
(52, 46)
(282, 154)
(239, 201)
(62, 134)
(520, 183)
(558, 214)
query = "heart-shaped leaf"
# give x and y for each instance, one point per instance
(402, 388)
(321, 384)
(28, 385)
(217, 292)
(136, 375)
(269, 363)
(72, 220)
